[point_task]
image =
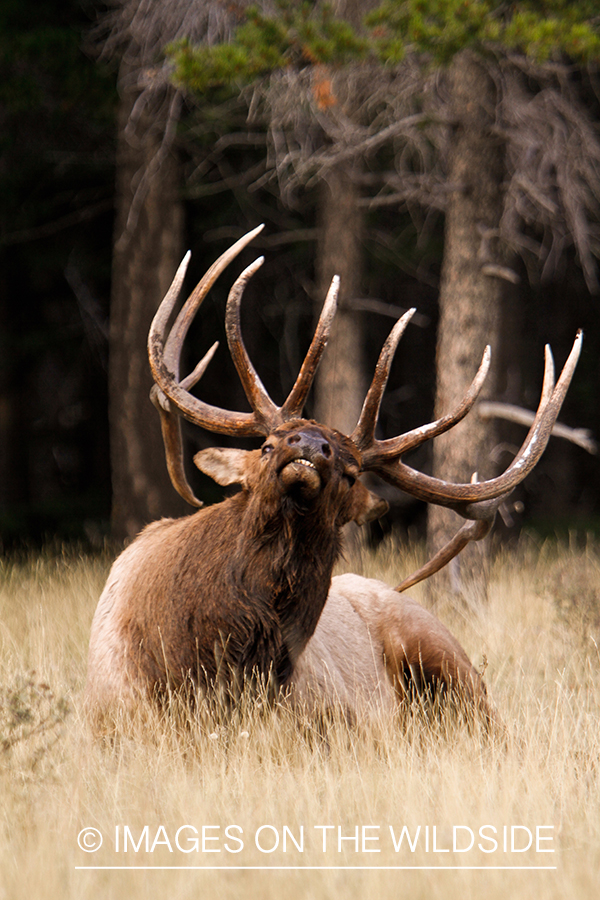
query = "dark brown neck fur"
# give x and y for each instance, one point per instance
(283, 563)
(237, 590)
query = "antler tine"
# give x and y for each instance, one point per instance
(170, 425)
(548, 410)
(461, 496)
(186, 315)
(469, 531)
(549, 380)
(158, 328)
(164, 356)
(481, 518)
(199, 369)
(364, 433)
(293, 406)
(397, 446)
(264, 409)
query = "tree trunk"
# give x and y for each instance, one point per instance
(340, 383)
(339, 389)
(145, 259)
(470, 300)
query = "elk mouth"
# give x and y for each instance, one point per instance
(301, 477)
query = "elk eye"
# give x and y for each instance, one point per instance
(267, 448)
(350, 479)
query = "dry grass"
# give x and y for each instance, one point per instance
(539, 632)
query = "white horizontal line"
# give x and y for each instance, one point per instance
(323, 868)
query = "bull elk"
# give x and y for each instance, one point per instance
(245, 586)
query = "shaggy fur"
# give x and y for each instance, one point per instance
(238, 591)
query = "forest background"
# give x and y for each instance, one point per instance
(108, 173)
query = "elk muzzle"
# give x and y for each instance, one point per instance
(307, 462)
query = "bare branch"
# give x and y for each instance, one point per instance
(369, 304)
(50, 228)
(488, 409)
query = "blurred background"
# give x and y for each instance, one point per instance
(466, 184)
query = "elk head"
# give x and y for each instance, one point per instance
(310, 468)
(303, 466)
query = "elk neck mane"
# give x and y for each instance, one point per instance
(283, 552)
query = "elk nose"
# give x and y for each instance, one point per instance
(311, 443)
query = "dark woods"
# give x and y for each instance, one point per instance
(60, 174)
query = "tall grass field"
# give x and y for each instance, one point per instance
(264, 803)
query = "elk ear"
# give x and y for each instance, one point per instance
(225, 465)
(366, 506)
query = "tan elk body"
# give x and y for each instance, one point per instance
(244, 589)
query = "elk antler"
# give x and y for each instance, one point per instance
(477, 501)
(171, 395)
(460, 496)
